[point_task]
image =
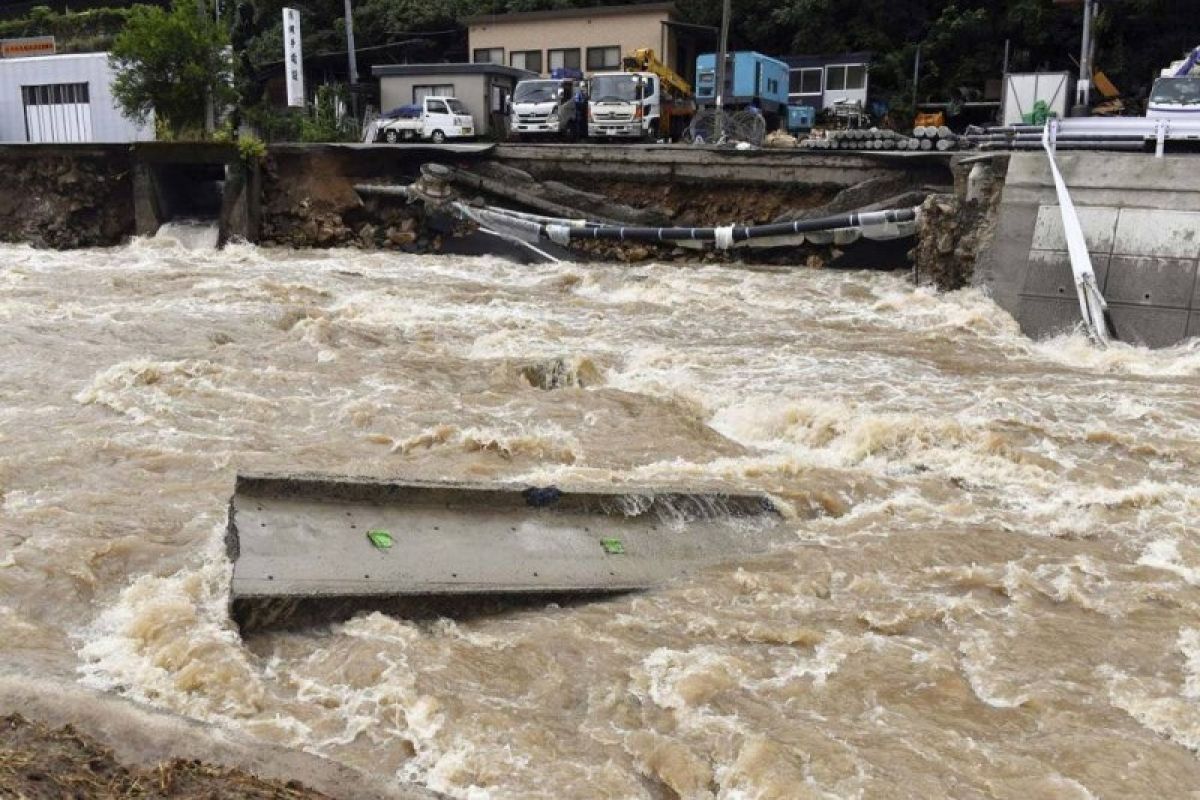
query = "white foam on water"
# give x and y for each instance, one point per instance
(188, 234)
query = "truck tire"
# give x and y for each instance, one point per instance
(390, 137)
(437, 137)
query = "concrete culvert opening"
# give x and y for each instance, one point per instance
(190, 191)
(560, 373)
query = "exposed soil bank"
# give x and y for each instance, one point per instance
(39, 762)
(59, 740)
(955, 229)
(66, 198)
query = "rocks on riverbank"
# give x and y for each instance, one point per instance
(66, 201)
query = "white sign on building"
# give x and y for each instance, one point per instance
(293, 57)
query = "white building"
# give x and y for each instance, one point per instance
(827, 80)
(63, 98)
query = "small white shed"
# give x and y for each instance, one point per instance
(63, 98)
(1023, 90)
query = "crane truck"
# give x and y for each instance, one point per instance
(1176, 92)
(647, 100)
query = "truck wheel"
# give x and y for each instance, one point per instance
(390, 137)
(437, 137)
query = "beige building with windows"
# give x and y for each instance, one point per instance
(588, 39)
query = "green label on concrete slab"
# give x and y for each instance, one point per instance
(380, 538)
(614, 547)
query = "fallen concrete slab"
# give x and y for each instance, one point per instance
(300, 540)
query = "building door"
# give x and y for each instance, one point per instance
(57, 112)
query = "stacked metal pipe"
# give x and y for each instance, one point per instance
(875, 139)
(1029, 137)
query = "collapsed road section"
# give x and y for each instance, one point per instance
(315, 546)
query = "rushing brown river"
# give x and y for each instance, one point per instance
(990, 587)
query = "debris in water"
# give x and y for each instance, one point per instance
(299, 540)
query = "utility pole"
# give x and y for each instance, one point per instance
(210, 113)
(352, 58)
(722, 49)
(916, 79)
(1083, 90)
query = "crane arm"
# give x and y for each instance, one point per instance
(1189, 64)
(645, 60)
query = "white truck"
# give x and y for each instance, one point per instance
(434, 118)
(624, 105)
(1176, 92)
(544, 107)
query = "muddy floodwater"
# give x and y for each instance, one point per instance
(989, 586)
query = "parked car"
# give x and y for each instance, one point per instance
(434, 118)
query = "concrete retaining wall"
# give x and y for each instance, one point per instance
(1141, 219)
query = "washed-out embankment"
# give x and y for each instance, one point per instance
(304, 196)
(999, 212)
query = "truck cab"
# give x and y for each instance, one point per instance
(434, 118)
(624, 105)
(545, 107)
(1175, 97)
(1176, 92)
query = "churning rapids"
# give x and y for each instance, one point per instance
(990, 587)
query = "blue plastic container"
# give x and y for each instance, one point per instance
(801, 118)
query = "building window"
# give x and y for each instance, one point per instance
(805, 81)
(489, 55)
(526, 59)
(846, 78)
(564, 59)
(432, 90)
(603, 57)
(57, 112)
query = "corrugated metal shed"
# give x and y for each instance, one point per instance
(63, 98)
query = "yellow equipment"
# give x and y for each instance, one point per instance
(645, 60)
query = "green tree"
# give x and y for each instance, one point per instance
(170, 63)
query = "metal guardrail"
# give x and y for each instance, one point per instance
(1097, 132)
(1160, 130)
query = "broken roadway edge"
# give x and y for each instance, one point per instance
(144, 736)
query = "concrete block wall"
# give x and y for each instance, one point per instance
(1141, 219)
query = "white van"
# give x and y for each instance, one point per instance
(434, 118)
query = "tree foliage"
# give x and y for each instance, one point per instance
(170, 63)
(90, 30)
(962, 42)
